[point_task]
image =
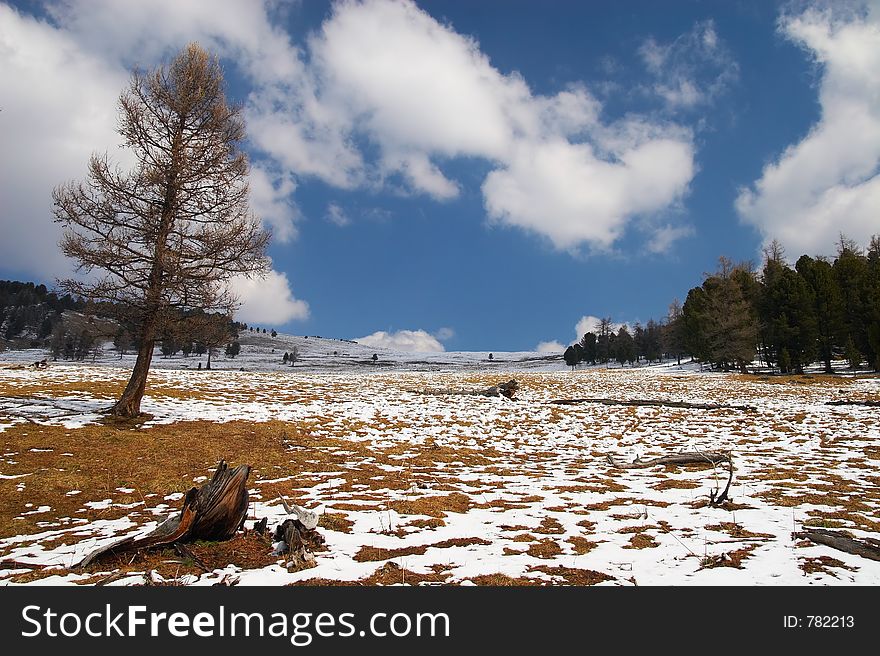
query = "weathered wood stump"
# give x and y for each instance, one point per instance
(507, 389)
(215, 511)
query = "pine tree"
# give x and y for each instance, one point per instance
(625, 347)
(827, 306)
(588, 344)
(787, 315)
(673, 331)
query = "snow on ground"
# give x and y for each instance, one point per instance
(496, 486)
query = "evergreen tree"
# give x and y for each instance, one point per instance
(570, 356)
(787, 315)
(827, 306)
(169, 347)
(233, 349)
(720, 322)
(625, 347)
(588, 343)
(673, 332)
(653, 341)
(121, 341)
(854, 282)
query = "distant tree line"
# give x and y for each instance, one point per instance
(787, 317)
(29, 308)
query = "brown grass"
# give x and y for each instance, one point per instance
(641, 541)
(545, 548)
(573, 575)
(369, 553)
(433, 506)
(581, 545)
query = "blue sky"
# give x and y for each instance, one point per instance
(477, 176)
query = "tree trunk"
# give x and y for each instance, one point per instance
(129, 404)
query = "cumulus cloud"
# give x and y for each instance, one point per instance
(586, 324)
(828, 182)
(568, 193)
(424, 93)
(58, 107)
(410, 341)
(550, 347)
(268, 300)
(377, 72)
(61, 81)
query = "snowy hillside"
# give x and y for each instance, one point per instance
(262, 352)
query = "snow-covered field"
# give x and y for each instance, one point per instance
(430, 486)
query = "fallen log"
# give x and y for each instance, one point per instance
(655, 403)
(507, 390)
(214, 512)
(839, 540)
(869, 404)
(684, 458)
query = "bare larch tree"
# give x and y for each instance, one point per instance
(165, 237)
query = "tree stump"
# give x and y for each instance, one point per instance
(215, 511)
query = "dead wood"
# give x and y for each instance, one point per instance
(212, 512)
(655, 403)
(299, 542)
(306, 517)
(867, 548)
(869, 404)
(186, 552)
(684, 458)
(721, 498)
(507, 390)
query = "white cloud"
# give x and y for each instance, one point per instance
(61, 85)
(271, 199)
(568, 193)
(444, 334)
(586, 324)
(337, 216)
(828, 182)
(382, 72)
(424, 93)
(410, 341)
(268, 300)
(693, 70)
(550, 347)
(58, 107)
(664, 236)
